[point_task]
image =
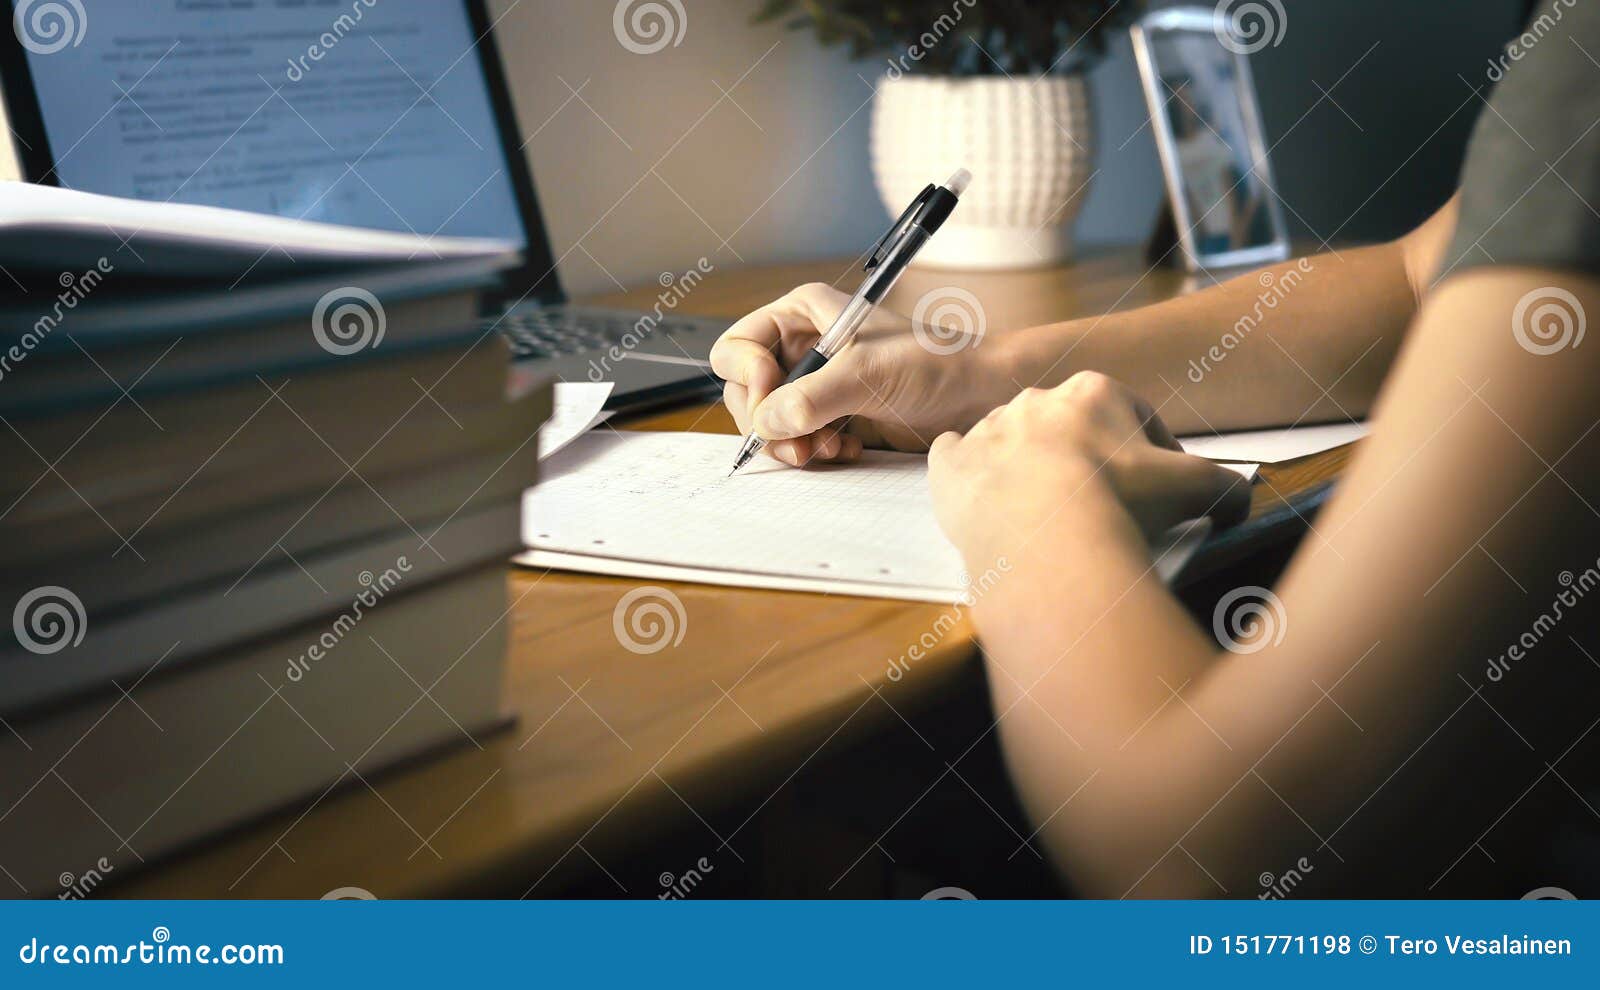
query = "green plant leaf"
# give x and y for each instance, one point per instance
(963, 37)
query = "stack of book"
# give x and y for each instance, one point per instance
(252, 542)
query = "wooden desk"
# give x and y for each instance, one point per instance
(610, 747)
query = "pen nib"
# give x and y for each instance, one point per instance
(752, 444)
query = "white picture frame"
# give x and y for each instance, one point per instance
(1256, 232)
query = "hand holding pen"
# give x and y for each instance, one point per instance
(809, 327)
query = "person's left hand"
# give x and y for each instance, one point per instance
(1090, 444)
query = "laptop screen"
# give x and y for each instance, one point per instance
(374, 113)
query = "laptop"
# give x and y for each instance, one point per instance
(394, 115)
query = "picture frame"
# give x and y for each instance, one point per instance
(1208, 134)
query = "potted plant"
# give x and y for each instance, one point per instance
(997, 86)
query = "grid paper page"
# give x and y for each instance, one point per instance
(660, 505)
(665, 498)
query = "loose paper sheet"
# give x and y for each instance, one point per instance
(57, 222)
(660, 505)
(578, 407)
(1271, 446)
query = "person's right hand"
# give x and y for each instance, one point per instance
(897, 388)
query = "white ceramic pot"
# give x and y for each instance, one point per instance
(1028, 142)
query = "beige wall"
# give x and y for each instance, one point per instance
(778, 168)
(653, 167)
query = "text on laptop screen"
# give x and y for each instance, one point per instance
(373, 113)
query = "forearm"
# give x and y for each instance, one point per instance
(1156, 764)
(1086, 650)
(1078, 592)
(1306, 340)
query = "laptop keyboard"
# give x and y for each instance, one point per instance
(556, 332)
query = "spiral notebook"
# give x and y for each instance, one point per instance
(660, 506)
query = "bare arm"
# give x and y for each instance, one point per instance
(1312, 345)
(1306, 340)
(1374, 726)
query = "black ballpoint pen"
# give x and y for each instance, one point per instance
(887, 260)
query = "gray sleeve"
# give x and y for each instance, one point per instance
(1530, 186)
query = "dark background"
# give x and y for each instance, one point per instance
(1412, 98)
(1369, 163)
